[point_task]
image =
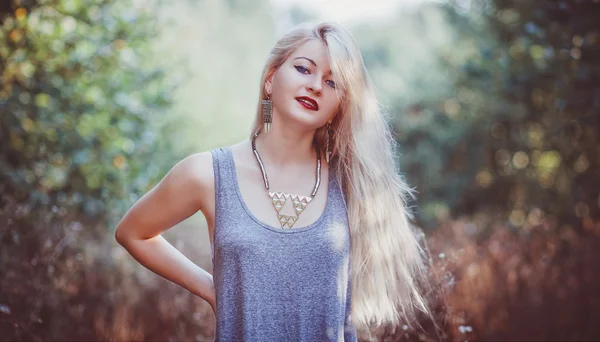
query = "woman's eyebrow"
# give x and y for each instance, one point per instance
(313, 62)
(308, 59)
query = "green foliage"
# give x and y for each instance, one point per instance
(496, 106)
(81, 104)
(542, 157)
(442, 93)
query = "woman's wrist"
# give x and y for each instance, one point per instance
(203, 287)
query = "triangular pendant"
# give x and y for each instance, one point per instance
(278, 199)
(300, 203)
(287, 221)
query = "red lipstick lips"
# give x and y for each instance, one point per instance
(307, 102)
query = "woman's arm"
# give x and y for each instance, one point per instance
(181, 193)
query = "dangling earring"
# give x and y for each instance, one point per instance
(267, 114)
(328, 142)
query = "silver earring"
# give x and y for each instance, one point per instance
(267, 110)
(328, 142)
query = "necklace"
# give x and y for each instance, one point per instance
(280, 198)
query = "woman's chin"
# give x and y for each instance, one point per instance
(310, 120)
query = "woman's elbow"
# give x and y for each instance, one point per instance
(121, 234)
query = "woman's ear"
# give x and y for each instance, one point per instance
(269, 85)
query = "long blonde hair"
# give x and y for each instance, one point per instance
(387, 263)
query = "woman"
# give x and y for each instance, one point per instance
(304, 248)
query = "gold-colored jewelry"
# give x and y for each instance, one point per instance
(280, 198)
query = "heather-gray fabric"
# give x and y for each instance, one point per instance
(274, 284)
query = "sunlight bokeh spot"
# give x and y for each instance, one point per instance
(535, 134)
(517, 217)
(502, 157)
(27, 124)
(535, 217)
(68, 25)
(473, 270)
(25, 97)
(508, 16)
(119, 44)
(536, 51)
(549, 161)
(484, 178)
(581, 164)
(119, 161)
(546, 179)
(520, 160)
(452, 108)
(16, 35)
(517, 50)
(21, 13)
(42, 100)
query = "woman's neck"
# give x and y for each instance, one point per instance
(286, 148)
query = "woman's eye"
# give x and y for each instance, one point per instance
(300, 68)
(304, 70)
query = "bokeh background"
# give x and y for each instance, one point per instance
(495, 105)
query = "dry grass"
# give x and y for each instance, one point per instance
(71, 281)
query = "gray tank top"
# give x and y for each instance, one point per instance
(274, 284)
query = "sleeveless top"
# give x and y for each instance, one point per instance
(275, 284)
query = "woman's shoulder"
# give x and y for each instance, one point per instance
(195, 172)
(198, 166)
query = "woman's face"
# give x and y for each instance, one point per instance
(303, 89)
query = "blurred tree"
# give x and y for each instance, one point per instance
(87, 126)
(495, 104)
(80, 103)
(434, 73)
(82, 137)
(543, 157)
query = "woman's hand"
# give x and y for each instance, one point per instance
(213, 305)
(211, 299)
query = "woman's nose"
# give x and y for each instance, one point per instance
(315, 86)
